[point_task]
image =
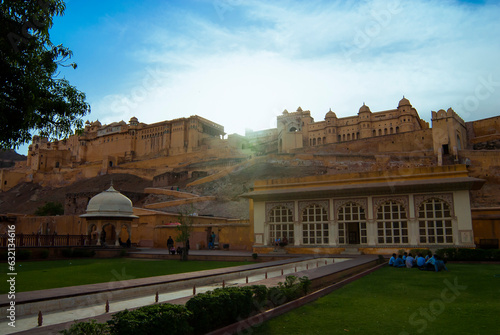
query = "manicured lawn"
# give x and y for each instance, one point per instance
(51, 274)
(465, 300)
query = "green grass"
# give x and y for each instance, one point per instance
(51, 274)
(402, 301)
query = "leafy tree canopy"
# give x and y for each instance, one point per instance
(32, 97)
(50, 209)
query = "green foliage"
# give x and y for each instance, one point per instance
(22, 254)
(32, 98)
(153, 319)
(254, 255)
(44, 254)
(78, 252)
(185, 228)
(294, 287)
(221, 307)
(460, 254)
(416, 251)
(87, 328)
(50, 209)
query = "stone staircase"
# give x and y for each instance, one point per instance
(351, 251)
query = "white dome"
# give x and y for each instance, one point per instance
(110, 203)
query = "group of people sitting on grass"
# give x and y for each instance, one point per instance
(428, 263)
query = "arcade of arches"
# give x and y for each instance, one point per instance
(365, 211)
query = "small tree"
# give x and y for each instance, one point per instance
(50, 209)
(185, 228)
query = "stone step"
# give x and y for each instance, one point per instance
(351, 251)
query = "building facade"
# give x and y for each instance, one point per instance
(298, 129)
(375, 212)
(118, 142)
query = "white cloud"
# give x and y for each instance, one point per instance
(317, 55)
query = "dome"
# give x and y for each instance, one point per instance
(404, 102)
(330, 114)
(134, 120)
(110, 203)
(364, 108)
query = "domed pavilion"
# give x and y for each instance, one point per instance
(109, 215)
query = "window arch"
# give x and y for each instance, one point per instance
(392, 223)
(315, 225)
(281, 224)
(434, 222)
(351, 218)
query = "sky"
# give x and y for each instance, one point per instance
(240, 63)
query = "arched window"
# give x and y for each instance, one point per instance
(315, 225)
(392, 224)
(281, 224)
(434, 222)
(380, 132)
(319, 140)
(352, 224)
(314, 141)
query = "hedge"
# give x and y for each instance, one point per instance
(202, 313)
(460, 254)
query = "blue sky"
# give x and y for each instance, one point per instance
(241, 63)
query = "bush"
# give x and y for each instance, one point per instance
(294, 287)
(220, 307)
(415, 252)
(22, 254)
(153, 319)
(77, 253)
(44, 254)
(50, 209)
(459, 254)
(254, 255)
(83, 253)
(87, 328)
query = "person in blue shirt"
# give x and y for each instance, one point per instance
(420, 260)
(399, 262)
(404, 256)
(410, 261)
(392, 260)
(439, 264)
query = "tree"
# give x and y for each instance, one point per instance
(50, 209)
(185, 228)
(32, 97)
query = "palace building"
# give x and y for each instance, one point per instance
(372, 212)
(121, 142)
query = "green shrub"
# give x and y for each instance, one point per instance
(50, 209)
(220, 307)
(87, 328)
(67, 252)
(77, 253)
(44, 254)
(294, 287)
(416, 251)
(83, 253)
(153, 319)
(254, 255)
(23, 254)
(468, 255)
